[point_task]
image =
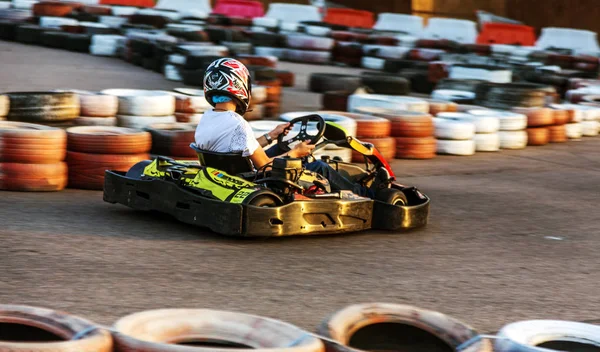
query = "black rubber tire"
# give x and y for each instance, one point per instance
(419, 80)
(387, 85)
(29, 34)
(78, 42)
(268, 39)
(326, 82)
(391, 196)
(218, 35)
(265, 201)
(262, 73)
(193, 77)
(198, 62)
(189, 35)
(54, 39)
(136, 170)
(8, 30)
(155, 21)
(396, 65)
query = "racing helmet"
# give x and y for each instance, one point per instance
(228, 77)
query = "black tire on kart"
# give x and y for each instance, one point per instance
(264, 200)
(391, 196)
(136, 170)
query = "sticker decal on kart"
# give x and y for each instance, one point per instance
(223, 186)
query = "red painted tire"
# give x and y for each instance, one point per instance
(367, 126)
(108, 140)
(33, 178)
(86, 171)
(538, 136)
(172, 139)
(416, 148)
(31, 143)
(558, 134)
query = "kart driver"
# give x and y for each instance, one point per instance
(227, 87)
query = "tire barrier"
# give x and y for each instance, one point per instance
(141, 108)
(486, 129)
(172, 140)
(36, 329)
(92, 150)
(31, 157)
(454, 137)
(44, 107)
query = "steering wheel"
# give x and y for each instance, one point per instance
(303, 135)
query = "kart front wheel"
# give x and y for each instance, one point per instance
(391, 196)
(137, 170)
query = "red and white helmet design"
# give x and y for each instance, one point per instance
(231, 78)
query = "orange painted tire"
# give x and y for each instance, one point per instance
(108, 140)
(415, 148)
(386, 147)
(31, 143)
(256, 60)
(407, 123)
(33, 177)
(86, 171)
(537, 117)
(367, 126)
(538, 136)
(561, 117)
(558, 134)
(74, 333)
(52, 8)
(287, 78)
(438, 106)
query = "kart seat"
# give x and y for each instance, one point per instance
(231, 163)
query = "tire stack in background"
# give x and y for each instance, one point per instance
(49, 108)
(486, 129)
(512, 134)
(97, 109)
(558, 131)
(190, 104)
(173, 140)
(305, 48)
(32, 157)
(94, 149)
(256, 111)
(539, 121)
(4, 107)
(413, 132)
(454, 137)
(140, 108)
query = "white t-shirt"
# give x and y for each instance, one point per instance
(225, 132)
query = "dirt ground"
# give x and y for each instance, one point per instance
(513, 235)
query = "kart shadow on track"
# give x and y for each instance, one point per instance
(222, 192)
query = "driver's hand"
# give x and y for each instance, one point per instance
(283, 128)
(301, 150)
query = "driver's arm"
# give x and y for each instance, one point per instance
(259, 157)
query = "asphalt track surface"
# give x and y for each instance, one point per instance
(512, 235)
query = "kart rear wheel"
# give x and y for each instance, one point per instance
(137, 170)
(265, 201)
(391, 196)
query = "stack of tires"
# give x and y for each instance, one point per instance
(558, 131)
(413, 132)
(97, 109)
(539, 121)
(190, 104)
(94, 149)
(256, 111)
(272, 102)
(357, 101)
(32, 157)
(454, 137)
(106, 44)
(173, 140)
(486, 129)
(512, 134)
(4, 107)
(590, 125)
(141, 108)
(309, 49)
(43, 107)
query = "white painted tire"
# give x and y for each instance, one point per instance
(143, 102)
(578, 113)
(483, 124)
(487, 142)
(265, 22)
(372, 63)
(453, 129)
(451, 94)
(391, 102)
(308, 56)
(4, 105)
(513, 139)
(289, 26)
(190, 100)
(141, 122)
(301, 41)
(113, 21)
(574, 130)
(107, 39)
(56, 22)
(279, 53)
(103, 50)
(525, 336)
(98, 105)
(317, 31)
(259, 94)
(508, 121)
(176, 59)
(95, 121)
(590, 128)
(386, 51)
(124, 10)
(172, 73)
(454, 147)
(347, 123)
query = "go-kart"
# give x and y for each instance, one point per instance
(223, 192)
